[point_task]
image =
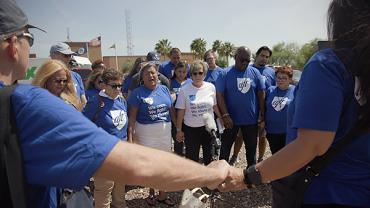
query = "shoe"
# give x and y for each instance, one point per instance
(151, 200)
(233, 160)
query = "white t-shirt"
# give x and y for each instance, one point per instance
(196, 102)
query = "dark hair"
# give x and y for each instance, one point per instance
(95, 74)
(240, 49)
(181, 64)
(349, 28)
(98, 64)
(284, 70)
(173, 50)
(147, 66)
(136, 67)
(111, 74)
(264, 48)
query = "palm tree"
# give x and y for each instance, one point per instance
(163, 47)
(198, 47)
(227, 50)
(216, 46)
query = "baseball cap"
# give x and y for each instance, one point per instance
(12, 18)
(152, 56)
(61, 48)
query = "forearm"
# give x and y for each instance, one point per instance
(138, 165)
(217, 111)
(261, 102)
(173, 115)
(297, 154)
(221, 103)
(180, 118)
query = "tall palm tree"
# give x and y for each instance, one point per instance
(163, 47)
(227, 50)
(216, 46)
(198, 47)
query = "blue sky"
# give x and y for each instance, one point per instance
(242, 22)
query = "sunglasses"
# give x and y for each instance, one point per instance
(115, 86)
(197, 73)
(27, 35)
(60, 81)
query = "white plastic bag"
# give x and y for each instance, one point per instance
(195, 198)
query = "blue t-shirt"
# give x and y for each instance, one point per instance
(60, 146)
(153, 105)
(90, 93)
(167, 69)
(112, 116)
(79, 85)
(324, 101)
(268, 75)
(277, 102)
(212, 75)
(175, 85)
(126, 84)
(240, 93)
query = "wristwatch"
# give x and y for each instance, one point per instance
(252, 176)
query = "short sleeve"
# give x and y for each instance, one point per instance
(133, 99)
(180, 102)
(221, 82)
(260, 82)
(319, 98)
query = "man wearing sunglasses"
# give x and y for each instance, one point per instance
(62, 52)
(62, 148)
(240, 96)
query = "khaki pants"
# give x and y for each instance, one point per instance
(109, 194)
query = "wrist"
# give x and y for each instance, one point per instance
(225, 115)
(252, 177)
(178, 130)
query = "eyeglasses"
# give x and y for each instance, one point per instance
(115, 86)
(29, 37)
(197, 73)
(282, 78)
(66, 55)
(60, 81)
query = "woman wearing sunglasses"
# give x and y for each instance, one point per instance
(108, 110)
(54, 76)
(93, 83)
(193, 101)
(278, 99)
(150, 113)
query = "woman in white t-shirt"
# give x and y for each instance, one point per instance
(193, 101)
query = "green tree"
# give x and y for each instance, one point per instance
(216, 46)
(163, 47)
(306, 51)
(285, 54)
(227, 51)
(198, 47)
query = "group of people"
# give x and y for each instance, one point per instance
(62, 147)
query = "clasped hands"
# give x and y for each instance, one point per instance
(232, 178)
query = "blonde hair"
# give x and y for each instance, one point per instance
(46, 70)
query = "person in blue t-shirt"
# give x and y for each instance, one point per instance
(177, 81)
(332, 97)
(128, 79)
(108, 110)
(150, 114)
(240, 96)
(167, 67)
(62, 52)
(278, 99)
(213, 70)
(93, 83)
(62, 148)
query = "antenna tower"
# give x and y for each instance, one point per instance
(130, 45)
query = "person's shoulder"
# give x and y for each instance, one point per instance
(270, 69)
(165, 63)
(29, 91)
(75, 74)
(325, 60)
(291, 88)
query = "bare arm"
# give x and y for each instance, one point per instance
(133, 164)
(180, 118)
(132, 113)
(223, 110)
(309, 144)
(173, 114)
(261, 101)
(83, 100)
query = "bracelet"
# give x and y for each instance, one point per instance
(224, 115)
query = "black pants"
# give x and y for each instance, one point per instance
(177, 146)
(276, 142)
(249, 133)
(194, 138)
(326, 206)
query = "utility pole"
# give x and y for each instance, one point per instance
(130, 45)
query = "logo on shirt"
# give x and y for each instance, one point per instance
(191, 97)
(279, 103)
(119, 118)
(264, 78)
(148, 100)
(243, 84)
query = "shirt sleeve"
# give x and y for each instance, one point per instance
(91, 108)
(60, 146)
(133, 99)
(319, 98)
(221, 82)
(260, 82)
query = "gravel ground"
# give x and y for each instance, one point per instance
(257, 197)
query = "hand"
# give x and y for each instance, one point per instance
(221, 168)
(234, 180)
(228, 122)
(180, 136)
